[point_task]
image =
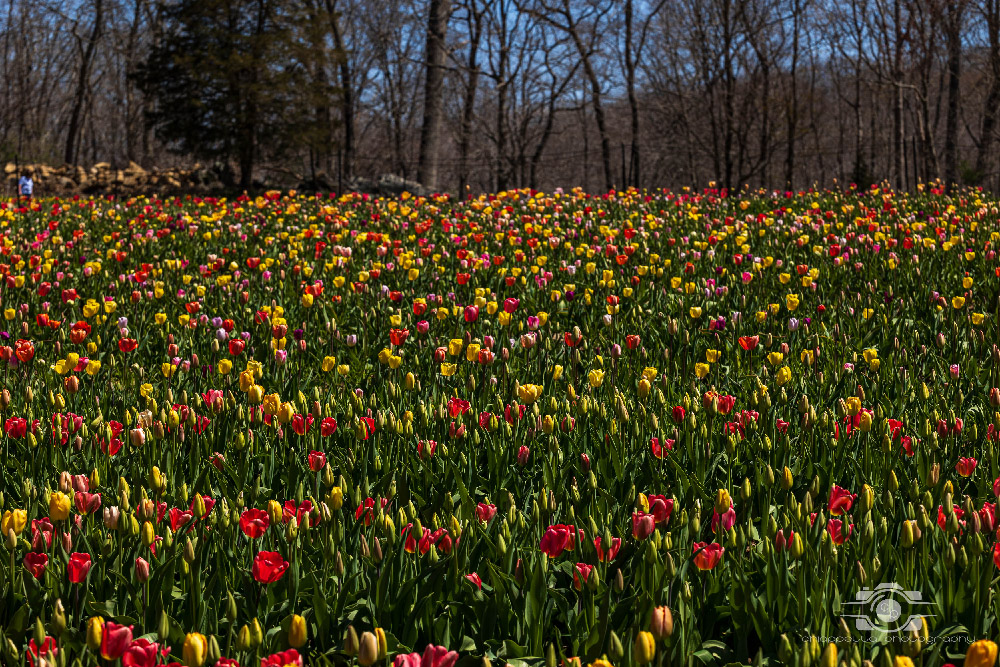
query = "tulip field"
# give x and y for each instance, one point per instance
(695, 428)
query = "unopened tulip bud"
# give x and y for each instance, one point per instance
(786, 479)
(58, 620)
(142, 569)
(367, 650)
(148, 535)
(95, 633)
(163, 627)
(297, 631)
(644, 648)
(256, 634)
(243, 639)
(661, 624)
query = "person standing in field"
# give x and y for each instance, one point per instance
(25, 186)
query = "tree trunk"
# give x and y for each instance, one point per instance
(346, 90)
(954, 45)
(82, 84)
(430, 133)
(793, 107)
(633, 102)
(988, 127)
(469, 99)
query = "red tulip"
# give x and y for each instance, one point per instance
(79, 332)
(179, 518)
(678, 414)
(457, 406)
(485, 512)
(988, 516)
(35, 563)
(726, 520)
(433, 656)
(16, 427)
(471, 314)
(287, 658)
(78, 567)
(524, 454)
(632, 341)
(115, 639)
(966, 466)
(476, 580)
(557, 539)
(580, 575)
(127, 344)
(607, 557)
(707, 556)
(370, 423)
(316, 461)
(841, 500)
(302, 423)
(254, 523)
(748, 343)
(942, 519)
(426, 449)
(643, 525)
(44, 653)
(781, 543)
(87, 503)
(141, 653)
(25, 351)
(269, 567)
(328, 426)
(658, 449)
(398, 336)
(661, 508)
(236, 347)
(301, 512)
(142, 569)
(836, 529)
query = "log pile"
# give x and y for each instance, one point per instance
(103, 178)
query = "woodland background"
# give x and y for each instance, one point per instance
(486, 95)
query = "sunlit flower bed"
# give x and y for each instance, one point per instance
(691, 428)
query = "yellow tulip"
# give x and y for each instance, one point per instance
(59, 505)
(644, 649)
(195, 649)
(272, 402)
(13, 520)
(297, 631)
(528, 393)
(982, 653)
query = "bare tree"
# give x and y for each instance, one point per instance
(438, 12)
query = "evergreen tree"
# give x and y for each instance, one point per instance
(238, 81)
